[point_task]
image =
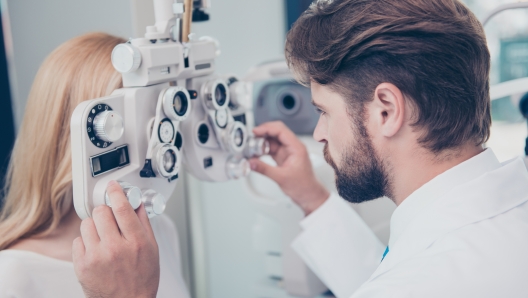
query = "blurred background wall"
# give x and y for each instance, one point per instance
(249, 31)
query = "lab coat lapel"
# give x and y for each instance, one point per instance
(493, 193)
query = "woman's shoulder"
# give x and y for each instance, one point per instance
(15, 274)
(12, 263)
(28, 274)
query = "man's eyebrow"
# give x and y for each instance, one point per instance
(316, 104)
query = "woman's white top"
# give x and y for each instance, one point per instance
(29, 274)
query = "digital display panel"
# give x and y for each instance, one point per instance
(110, 160)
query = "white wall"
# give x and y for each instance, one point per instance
(39, 26)
(250, 31)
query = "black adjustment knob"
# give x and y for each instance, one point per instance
(193, 94)
(199, 15)
(523, 106)
(231, 80)
(147, 171)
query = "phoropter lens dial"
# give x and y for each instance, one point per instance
(166, 132)
(166, 160)
(216, 94)
(169, 160)
(104, 126)
(221, 118)
(176, 103)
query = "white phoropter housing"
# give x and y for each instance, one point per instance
(218, 132)
(117, 137)
(133, 135)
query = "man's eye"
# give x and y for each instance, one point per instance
(319, 111)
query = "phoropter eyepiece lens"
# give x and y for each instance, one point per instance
(220, 94)
(239, 137)
(169, 160)
(288, 102)
(176, 103)
(180, 103)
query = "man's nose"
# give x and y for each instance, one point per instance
(319, 133)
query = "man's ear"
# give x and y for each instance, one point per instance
(388, 109)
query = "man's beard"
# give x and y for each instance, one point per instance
(361, 176)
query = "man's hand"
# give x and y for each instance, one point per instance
(117, 254)
(294, 172)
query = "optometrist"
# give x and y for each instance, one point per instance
(403, 91)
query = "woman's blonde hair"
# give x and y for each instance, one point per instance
(38, 189)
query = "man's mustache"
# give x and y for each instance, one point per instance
(328, 157)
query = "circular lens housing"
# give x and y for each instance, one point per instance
(180, 103)
(166, 131)
(176, 104)
(165, 160)
(169, 160)
(239, 137)
(234, 137)
(220, 94)
(221, 118)
(216, 94)
(288, 103)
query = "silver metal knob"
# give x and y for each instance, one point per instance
(108, 126)
(126, 58)
(133, 194)
(237, 168)
(154, 202)
(256, 147)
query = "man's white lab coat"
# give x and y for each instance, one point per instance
(463, 234)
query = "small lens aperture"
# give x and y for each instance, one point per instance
(220, 94)
(288, 102)
(180, 103)
(169, 160)
(239, 137)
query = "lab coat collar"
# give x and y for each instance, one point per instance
(493, 192)
(414, 204)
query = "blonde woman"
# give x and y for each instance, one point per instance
(38, 222)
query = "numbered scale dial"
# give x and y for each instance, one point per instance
(166, 132)
(104, 126)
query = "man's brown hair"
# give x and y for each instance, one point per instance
(434, 51)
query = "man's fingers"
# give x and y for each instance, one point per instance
(89, 233)
(277, 130)
(78, 249)
(143, 218)
(105, 223)
(265, 169)
(125, 216)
